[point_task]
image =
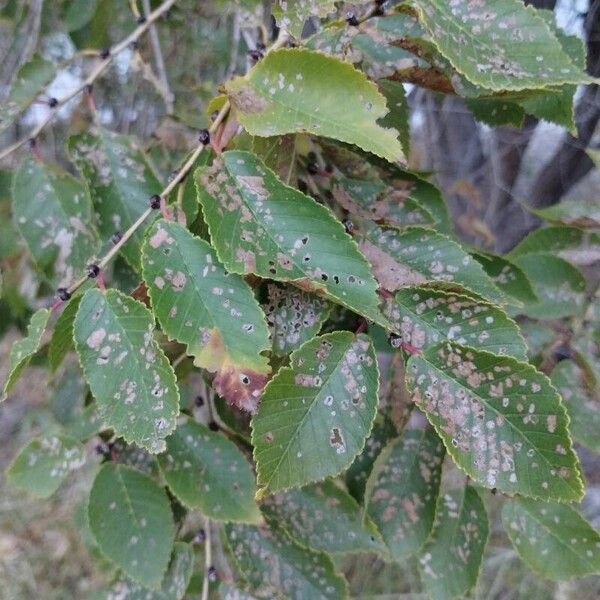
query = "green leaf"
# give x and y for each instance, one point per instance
(380, 202)
(427, 316)
(322, 516)
(583, 410)
(78, 14)
(558, 285)
(228, 592)
(282, 234)
(498, 44)
(30, 81)
(68, 394)
(87, 425)
(398, 117)
(496, 112)
(53, 213)
(61, 342)
(212, 312)
(507, 277)
(205, 470)
(173, 585)
(451, 559)
(131, 520)
(358, 472)
(274, 565)
(298, 90)
(126, 369)
(43, 464)
(120, 182)
(315, 415)
(554, 540)
(292, 14)
(417, 255)
(551, 240)
(578, 213)
(402, 490)
(501, 420)
(395, 402)
(22, 350)
(293, 316)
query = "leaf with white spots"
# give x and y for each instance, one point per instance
(61, 342)
(577, 213)
(29, 82)
(120, 182)
(380, 202)
(451, 559)
(42, 465)
(131, 520)
(553, 539)
(292, 14)
(172, 587)
(416, 255)
(324, 517)
(395, 402)
(53, 213)
(212, 312)
(205, 470)
(293, 316)
(315, 415)
(498, 44)
(358, 472)
(274, 565)
(260, 225)
(402, 490)
(22, 350)
(583, 408)
(501, 420)
(426, 316)
(127, 371)
(299, 90)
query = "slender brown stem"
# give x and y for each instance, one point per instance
(100, 68)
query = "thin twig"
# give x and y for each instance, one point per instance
(207, 558)
(100, 68)
(167, 94)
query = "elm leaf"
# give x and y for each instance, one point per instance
(131, 520)
(299, 90)
(205, 470)
(292, 14)
(212, 312)
(53, 212)
(402, 490)
(61, 342)
(127, 371)
(322, 516)
(316, 414)
(260, 225)
(427, 316)
(553, 539)
(22, 350)
(42, 465)
(480, 48)
(502, 421)
(451, 559)
(274, 565)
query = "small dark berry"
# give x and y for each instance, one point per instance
(116, 237)
(63, 294)
(141, 20)
(104, 53)
(395, 340)
(312, 168)
(212, 574)
(204, 136)
(31, 142)
(349, 225)
(199, 537)
(101, 449)
(213, 426)
(352, 20)
(88, 89)
(255, 55)
(93, 271)
(135, 45)
(494, 491)
(155, 201)
(199, 401)
(52, 102)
